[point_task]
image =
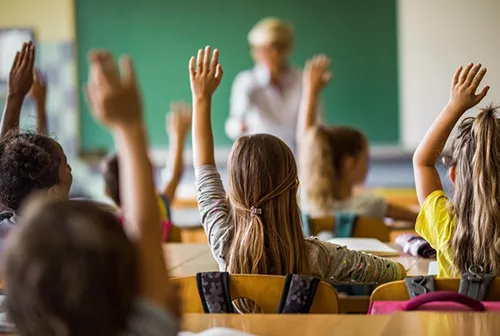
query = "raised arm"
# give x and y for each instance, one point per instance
(463, 97)
(116, 103)
(39, 94)
(20, 81)
(178, 125)
(316, 76)
(205, 77)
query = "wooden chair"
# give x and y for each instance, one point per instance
(363, 228)
(396, 291)
(264, 290)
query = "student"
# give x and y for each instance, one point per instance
(178, 124)
(70, 269)
(334, 160)
(463, 230)
(29, 162)
(257, 229)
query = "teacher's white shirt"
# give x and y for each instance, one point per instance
(263, 107)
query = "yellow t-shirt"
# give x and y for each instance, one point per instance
(164, 207)
(436, 225)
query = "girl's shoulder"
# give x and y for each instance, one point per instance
(319, 253)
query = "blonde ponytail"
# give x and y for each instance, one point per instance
(476, 202)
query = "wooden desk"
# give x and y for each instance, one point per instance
(411, 324)
(189, 259)
(177, 254)
(270, 324)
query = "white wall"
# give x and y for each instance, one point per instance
(435, 37)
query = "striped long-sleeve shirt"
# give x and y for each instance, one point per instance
(326, 260)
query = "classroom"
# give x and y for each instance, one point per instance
(315, 168)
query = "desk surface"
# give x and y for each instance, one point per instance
(189, 259)
(270, 324)
(415, 324)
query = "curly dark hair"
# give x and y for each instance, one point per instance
(28, 162)
(112, 178)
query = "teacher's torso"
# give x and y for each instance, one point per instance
(263, 107)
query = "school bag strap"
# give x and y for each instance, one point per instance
(420, 285)
(475, 284)
(344, 224)
(298, 294)
(213, 288)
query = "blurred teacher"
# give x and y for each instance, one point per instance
(266, 99)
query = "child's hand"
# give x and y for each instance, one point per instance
(114, 97)
(464, 86)
(206, 77)
(21, 73)
(39, 89)
(316, 73)
(179, 120)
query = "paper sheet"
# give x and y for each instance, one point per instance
(368, 245)
(433, 268)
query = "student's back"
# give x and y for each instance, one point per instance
(464, 230)
(257, 228)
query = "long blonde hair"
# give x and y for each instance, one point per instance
(322, 155)
(476, 199)
(263, 184)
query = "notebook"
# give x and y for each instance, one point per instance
(433, 268)
(367, 245)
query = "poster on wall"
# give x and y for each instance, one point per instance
(11, 40)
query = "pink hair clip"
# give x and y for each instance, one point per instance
(255, 211)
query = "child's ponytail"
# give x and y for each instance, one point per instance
(477, 202)
(322, 155)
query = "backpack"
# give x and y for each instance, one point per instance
(473, 289)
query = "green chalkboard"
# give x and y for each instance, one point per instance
(161, 35)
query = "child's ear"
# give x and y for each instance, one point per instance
(451, 174)
(54, 191)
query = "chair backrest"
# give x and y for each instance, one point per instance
(363, 228)
(397, 291)
(264, 290)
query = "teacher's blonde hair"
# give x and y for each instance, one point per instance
(271, 30)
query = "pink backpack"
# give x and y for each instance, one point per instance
(474, 287)
(442, 301)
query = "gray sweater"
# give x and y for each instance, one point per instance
(326, 260)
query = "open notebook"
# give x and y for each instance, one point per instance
(367, 245)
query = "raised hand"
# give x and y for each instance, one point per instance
(205, 74)
(114, 97)
(317, 73)
(179, 119)
(464, 87)
(21, 73)
(39, 88)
